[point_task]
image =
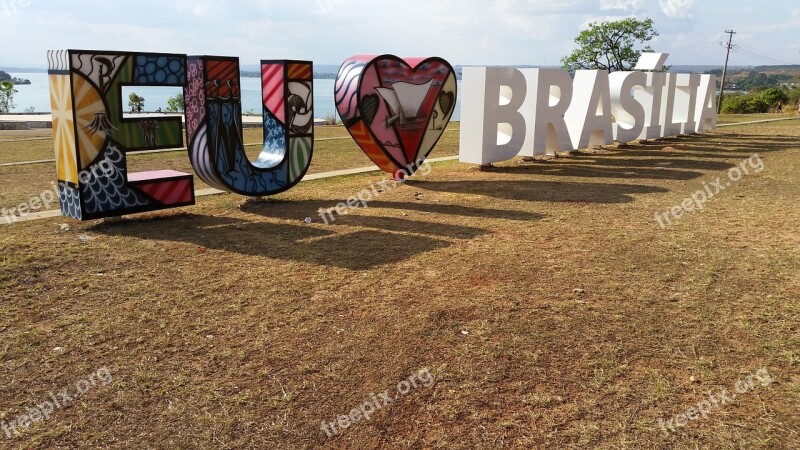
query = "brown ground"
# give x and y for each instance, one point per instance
(335, 150)
(229, 327)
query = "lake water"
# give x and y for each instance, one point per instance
(37, 95)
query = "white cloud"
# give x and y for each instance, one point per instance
(462, 31)
(677, 8)
(620, 4)
(530, 7)
(790, 24)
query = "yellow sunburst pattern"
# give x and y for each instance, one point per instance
(88, 105)
(63, 128)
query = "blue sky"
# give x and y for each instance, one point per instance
(328, 31)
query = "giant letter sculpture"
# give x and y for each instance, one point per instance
(495, 101)
(686, 88)
(706, 109)
(503, 104)
(589, 116)
(91, 136)
(395, 109)
(214, 125)
(629, 113)
(553, 89)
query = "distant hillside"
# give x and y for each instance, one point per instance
(14, 69)
(677, 68)
(747, 79)
(4, 76)
(317, 75)
(771, 70)
(795, 69)
(321, 71)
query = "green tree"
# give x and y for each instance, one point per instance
(135, 101)
(7, 92)
(774, 95)
(175, 103)
(611, 45)
(794, 95)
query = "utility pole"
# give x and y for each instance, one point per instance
(725, 69)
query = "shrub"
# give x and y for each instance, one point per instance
(735, 104)
(757, 104)
(330, 119)
(761, 101)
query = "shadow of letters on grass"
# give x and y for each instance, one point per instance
(354, 250)
(544, 191)
(370, 193)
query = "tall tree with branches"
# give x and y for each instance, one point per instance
(136, 102)
(611, 45)
(7, 92)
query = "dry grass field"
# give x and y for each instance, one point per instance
(534, 305)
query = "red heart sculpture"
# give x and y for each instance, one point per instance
(395, 109)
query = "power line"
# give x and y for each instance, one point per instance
(760, 57)
(769, 55)
(725, 69)
(752, 57)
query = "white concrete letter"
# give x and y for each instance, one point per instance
(669, 127)
(706, 108)
(589, 116)
(686, 88)
(552, 97)
(650, 97)
(493, 114)
(627, 111)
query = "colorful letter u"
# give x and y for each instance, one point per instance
(214, 125)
